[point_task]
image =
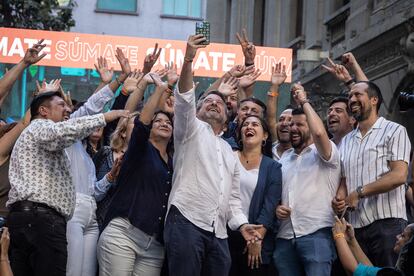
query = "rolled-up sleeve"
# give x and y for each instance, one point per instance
(184, 115)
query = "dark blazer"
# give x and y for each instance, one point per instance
(265, 198)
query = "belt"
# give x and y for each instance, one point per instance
(30, 206)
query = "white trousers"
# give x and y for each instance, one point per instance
(125, 250)
(82, 235)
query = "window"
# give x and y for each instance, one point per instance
(123, 6)
(190, 8)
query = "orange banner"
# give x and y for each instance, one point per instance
(81, 51)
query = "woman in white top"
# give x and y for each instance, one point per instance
(260, 192)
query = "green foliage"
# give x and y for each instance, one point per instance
(37, 14)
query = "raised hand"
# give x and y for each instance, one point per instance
(249, 51)
(278, 74)
(283, 212)
(52, 86)
(172, 75)
(193, 44)
(103, 70)
(299, 94)
(32, 54)
(156, 79)
(123, 61)
(166, 103)
(348, 60)
(115, 114)
(339, 71)
(131, 82)
(150, 59)
(66, 97)
(229, 86)
(249, 80)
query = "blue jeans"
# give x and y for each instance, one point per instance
(312, 254)
(192, 250)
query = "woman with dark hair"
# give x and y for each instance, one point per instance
(131, 242)
(260, 192)
(107, 162)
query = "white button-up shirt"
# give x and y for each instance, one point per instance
(365, 160)
(206, 184)
(81, 165)
(309, 184)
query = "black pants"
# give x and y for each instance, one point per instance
(377, 240)
(193, 251)
(239, 266)
(38, 243)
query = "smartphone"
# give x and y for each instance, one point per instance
(204, 29)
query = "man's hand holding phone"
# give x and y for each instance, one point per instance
(193, 44)
(203, 28)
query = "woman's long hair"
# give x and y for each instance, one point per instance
(267, 147)
(117, 140)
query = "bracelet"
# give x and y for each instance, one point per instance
(248, 64)
(347, 83)
(124, 91)
(118, 81)
(188, 59)
(339, 235)
(272, 93)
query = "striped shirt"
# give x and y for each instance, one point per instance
(365, 160)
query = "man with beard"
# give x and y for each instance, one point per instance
(340, 120)
(375, 159)
(205, 195)
(311, 172)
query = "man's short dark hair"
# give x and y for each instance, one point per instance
(341, 99)
(40, 100)
(256, 101)
(298, 111)
(373, 91)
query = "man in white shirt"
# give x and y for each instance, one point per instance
(311, 172)
(205, 195)
(375, 159)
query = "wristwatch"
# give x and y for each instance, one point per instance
(360, 191)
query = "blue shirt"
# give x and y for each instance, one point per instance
(144, 184)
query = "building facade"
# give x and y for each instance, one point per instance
(380, 33)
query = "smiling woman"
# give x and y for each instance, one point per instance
(260, 191)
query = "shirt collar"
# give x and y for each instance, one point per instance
(376, 125)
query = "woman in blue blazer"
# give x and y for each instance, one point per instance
(260, 192)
